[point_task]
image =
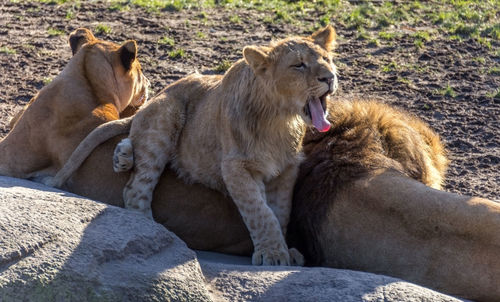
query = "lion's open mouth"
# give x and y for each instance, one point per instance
(315, 109)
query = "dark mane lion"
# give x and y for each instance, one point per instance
(366, 136)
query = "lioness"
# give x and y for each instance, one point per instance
(102, 82)
(240, 133)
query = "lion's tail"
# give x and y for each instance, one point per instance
(98, 136)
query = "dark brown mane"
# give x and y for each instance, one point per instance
(365, 137)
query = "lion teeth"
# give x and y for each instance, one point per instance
(306, 110)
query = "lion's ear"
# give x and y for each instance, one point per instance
(128, 53)
(325, 37)
(79, 37)
(256, 58)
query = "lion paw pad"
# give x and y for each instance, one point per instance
(123, 157)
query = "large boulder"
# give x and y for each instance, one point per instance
(56, 246)
(237, 280)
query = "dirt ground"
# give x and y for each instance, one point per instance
(34, 49)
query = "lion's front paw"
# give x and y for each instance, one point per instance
(296, 258)
(141, 208)
(123, 157)
(271, 257)
(135, 201)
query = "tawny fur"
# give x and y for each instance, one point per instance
(376, 135)
(239, 134)
(94, 87)
(361, 216)
(359, 203)
(371, 219)
(366, 136)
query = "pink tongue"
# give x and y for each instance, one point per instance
(318, 115)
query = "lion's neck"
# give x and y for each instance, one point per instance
(254, 111)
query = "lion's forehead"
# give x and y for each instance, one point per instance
(104, 47)
(109, 51)
(303, 46)
(108, 46)
(297, 51)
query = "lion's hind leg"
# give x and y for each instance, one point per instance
(152, 143)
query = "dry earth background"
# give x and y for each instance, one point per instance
(451, 83)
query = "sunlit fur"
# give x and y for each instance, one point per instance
(360, 203)
(374, 135)
(92, 89)
(354, 207)
(240, 134)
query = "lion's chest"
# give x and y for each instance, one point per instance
(209, 136)
(270, 161)
(200, 156)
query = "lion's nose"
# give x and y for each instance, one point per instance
(330, 80)
(327, 78)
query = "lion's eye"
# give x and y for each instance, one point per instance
(301, 65)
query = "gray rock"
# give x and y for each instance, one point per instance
(56, 246)
(234, 279)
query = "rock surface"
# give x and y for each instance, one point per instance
(56, 246)
(237, 280)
